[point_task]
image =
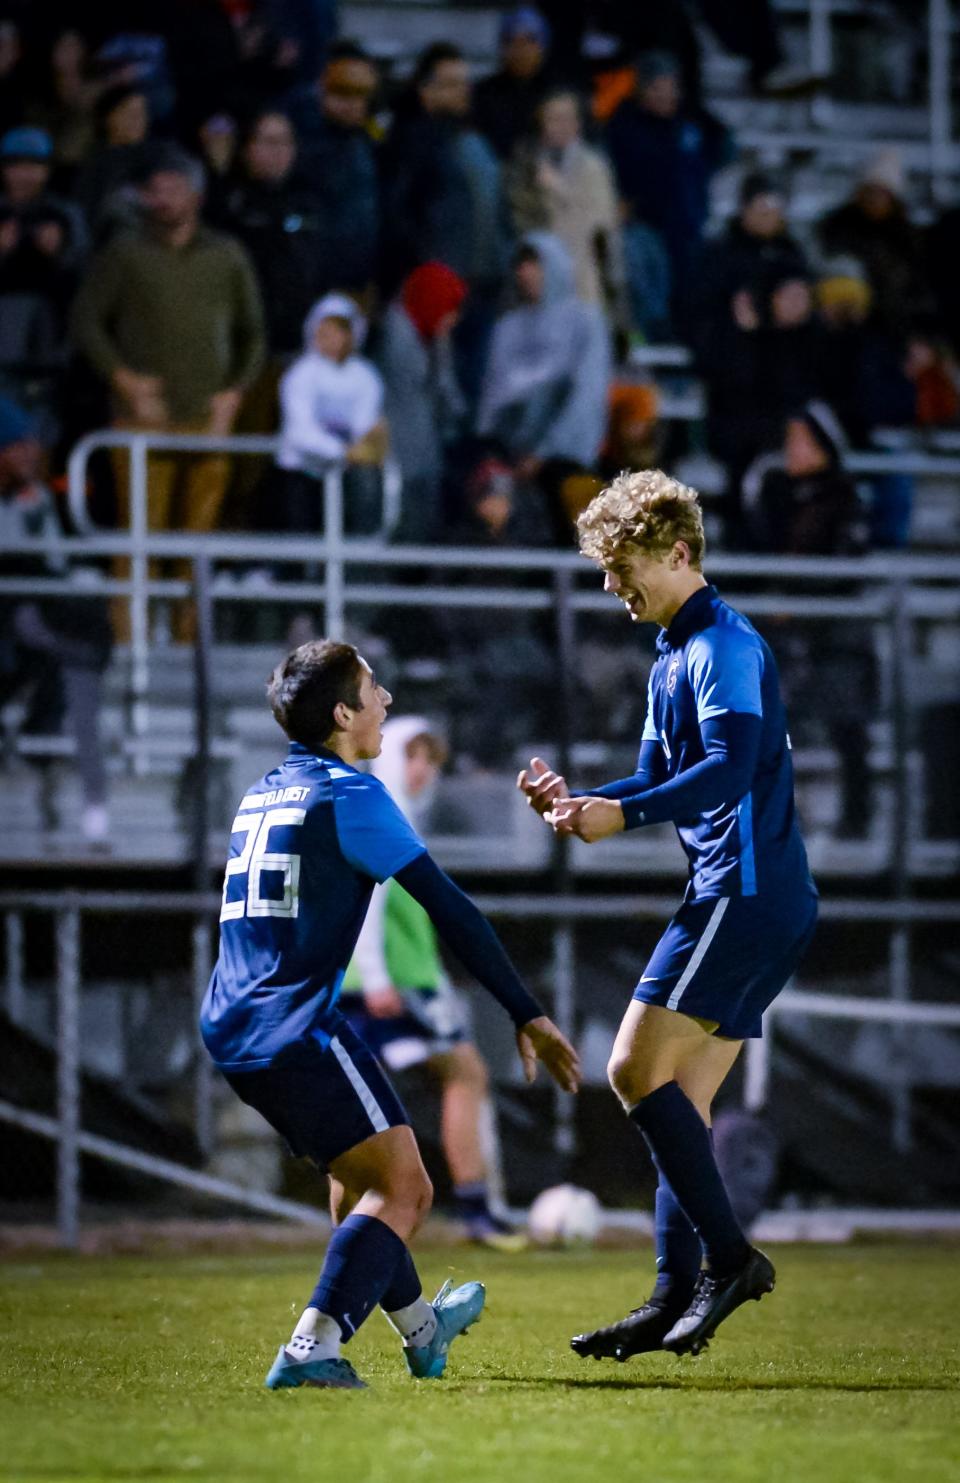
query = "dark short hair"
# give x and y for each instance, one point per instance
(430, 59)
(306, 687)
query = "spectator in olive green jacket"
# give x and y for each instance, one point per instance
(171, 317)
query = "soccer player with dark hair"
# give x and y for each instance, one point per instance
(714, 759)
(309, 842)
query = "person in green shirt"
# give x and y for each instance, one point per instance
(397, 997)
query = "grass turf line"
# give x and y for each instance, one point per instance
(128, 1369)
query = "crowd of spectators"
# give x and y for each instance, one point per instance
(222, 217)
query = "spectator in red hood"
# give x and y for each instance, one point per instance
(424, 403)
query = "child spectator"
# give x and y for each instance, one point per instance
(331, 403)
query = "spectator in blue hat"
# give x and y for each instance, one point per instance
(26, 160)
(505, 103)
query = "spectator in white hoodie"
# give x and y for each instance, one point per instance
(331, 404)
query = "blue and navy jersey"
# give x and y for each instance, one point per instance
(711, 660)
(308, 844)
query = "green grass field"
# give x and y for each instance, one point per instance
(152, 1369)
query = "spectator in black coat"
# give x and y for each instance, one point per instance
(664, 158)
(755, 244)
(874, 227)
(764, 359)
(801, 502)
(445, 200)
(108, 184)
(505, 103)
(864, 379)
(338, 160)
(277, 216)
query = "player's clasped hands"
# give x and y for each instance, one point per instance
(540, 1040)
(589, 819)
(541, 787)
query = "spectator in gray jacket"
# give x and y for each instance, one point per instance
(545, 390)
(424, 404)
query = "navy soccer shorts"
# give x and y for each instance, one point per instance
(432, 1024)
(323, 1100)
(727, 959)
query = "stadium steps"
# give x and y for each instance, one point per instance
(834, 1131)
(28, 1073)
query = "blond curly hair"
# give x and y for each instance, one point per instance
(645, 512)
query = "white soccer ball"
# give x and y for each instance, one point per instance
(565, 1216)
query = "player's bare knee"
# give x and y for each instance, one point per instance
(623, 1077)
(471, 1070)
(632, 1082)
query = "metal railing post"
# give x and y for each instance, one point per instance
(939, 49)
(139, 600)
(67, 930)
(334, 624)
(899, 947)
(202, 651)
(564, 974)
(564, 944)
(820, 45)
(14, 991)
(758, 1056)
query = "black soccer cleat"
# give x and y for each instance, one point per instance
(641, 1331)
(715, 1299)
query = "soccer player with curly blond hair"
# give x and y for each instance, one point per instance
(714, 759)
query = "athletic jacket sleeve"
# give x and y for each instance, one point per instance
(731, 742)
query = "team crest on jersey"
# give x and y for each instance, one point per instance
(673, 674)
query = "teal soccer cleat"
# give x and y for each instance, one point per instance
(327, 1374)
(456, 1309)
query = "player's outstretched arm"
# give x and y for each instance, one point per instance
(541, 787)
(468, 933)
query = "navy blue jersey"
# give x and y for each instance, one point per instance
(309, 841)
(711, 661)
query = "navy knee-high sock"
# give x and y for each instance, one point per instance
(405, 1285)
(679, 1141)
(360, 1266)
(678, 1249)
